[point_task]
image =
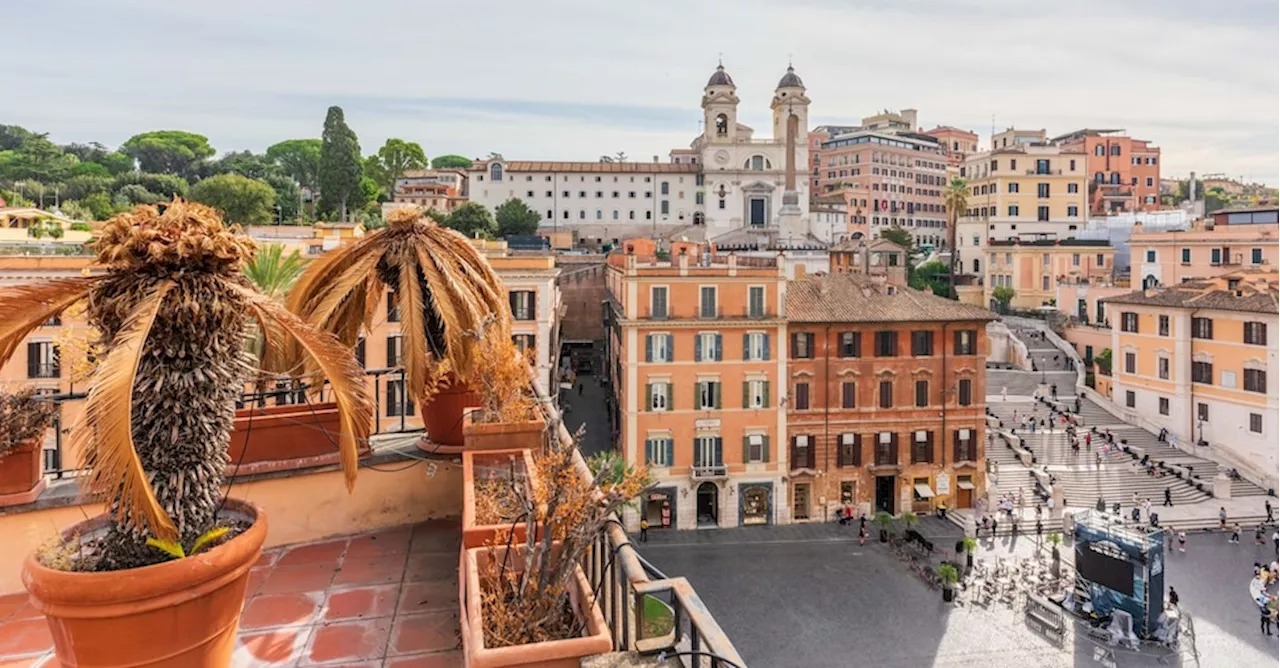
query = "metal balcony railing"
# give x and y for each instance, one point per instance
(44, 370)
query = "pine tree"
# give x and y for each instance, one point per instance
(340, 164)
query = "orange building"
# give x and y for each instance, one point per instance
(1124, 173)
(885, 397)
(694, 350)
(956, 144)
(1033, 268)
(1230, 240)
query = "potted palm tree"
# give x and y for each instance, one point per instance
(949, 576)
(508, 417)
(24, 417)
(885, 521)
(173, 310)
(448, 296)
(909, 521)
(970, 546)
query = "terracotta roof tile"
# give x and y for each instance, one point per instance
(1249, 301)
(855, 298)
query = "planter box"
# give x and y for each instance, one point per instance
(483, 464)
(528, 435)
(22, 474)
(567, 653)
(442, 416)
(282, 438)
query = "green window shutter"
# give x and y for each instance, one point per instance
(648, 348)
(746, 347)
(697, 396)
(766, 395)
(671, 451)
(765, 438)
(697, 347)
(719, 352)
(767, 352)
(746, 448)
(671, 347)
(648, 396)
(648, 451)
(715, 395)
(746, 394)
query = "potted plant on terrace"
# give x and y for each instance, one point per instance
(448, 296)
(508, 417)
(495, 487)
(529, 602)
(949, 576)
(172, 310)
(24, 417)
(970, 546)
(885, 521)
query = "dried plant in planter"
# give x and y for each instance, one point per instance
(530, 603)
(503, 380)
(24, 415)
(173, 310)
(501, 492)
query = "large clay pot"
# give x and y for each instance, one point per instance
(282, 438)
(443, 416)
(479, 535)
(566, 653)
(174, 614)
(22, 474)
(528, 435)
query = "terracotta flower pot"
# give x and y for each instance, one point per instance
(566, 653)
(22, 474)
(443, 417)
(282, 438)
(177, 613)
(502, 435)
(479, 535)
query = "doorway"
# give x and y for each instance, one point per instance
(964, 491)
(800, 501)
(757, 212)
(708, 505)
(884, 493)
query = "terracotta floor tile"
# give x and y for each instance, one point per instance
(25, 636)
(268, 558)
(294, 579)
(394, 541)
(328, 552)
(431, 566)
(350, 641)
(41, 661)
(433, 660)
(437, 536)
(429, 632)
(10, 603)
(418, 597)
(361, 603)
(278, 647)
(387, 569)
(274, 610)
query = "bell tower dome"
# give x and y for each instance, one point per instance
(720, 107)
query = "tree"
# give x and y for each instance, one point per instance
(396, 157)
(471, 219)
(299, 158)
(93, 153)
(76, 211)
(956, 198)
(450, 162)
(1103, 360)
(132, 194)
(1003, 294)
(899, 236)
(244, 163)
(168, 151)
(240, 199)
(79, 187)
(340, 168)
(273, 272)
(89, 169)
(931, 276)
(515, 217)
(162, 184)
(288, 196)
(99, 204)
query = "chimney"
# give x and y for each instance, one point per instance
(1191, 188)
(655, 158)
(801, 271)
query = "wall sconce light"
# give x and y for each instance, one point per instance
(684, 493)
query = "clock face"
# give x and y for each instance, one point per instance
(722, 156)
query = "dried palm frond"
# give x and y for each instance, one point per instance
(23, 308)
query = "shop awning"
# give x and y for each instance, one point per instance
(924, 491)
(965, 484)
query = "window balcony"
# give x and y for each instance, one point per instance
(719, 472)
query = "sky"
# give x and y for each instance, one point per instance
(574, 80)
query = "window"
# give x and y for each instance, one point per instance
(1151, 256)
(886, 449)
(1013, 209)
(1255, 256)
(886, 344)
(1075, 259)
(659, 396)
(1044, 283)
(921, 344)
(964, 392)
(658, 348)
(398, 403)
(707, 347)
(848, 395)
(965, 449)
(755, 346)
(755, 394)
(1255, 380)
(665, 188)
(1255, 423)
(1164, 325)
(755, 301)
(1115, 149)
(802, 396)
(1073, 188)
(1099, 260)
(886, 394)
(1042, 190)
(1130, 399)
(922, 393)
(708, 395)
(658, 301)
(1186, 256)
(523, 304)
(851, 344)
(708, 451)
(1255, 333)
(802, 345)
(1129, 322)
(665, 207)
(965, 340)
(360, 352)
(922, 447)
(1042, 213)
(850, 454)
(1013, 187)
(1202, 412)
(1130, 363)
(43, 360)
(801, 453)
(707, 304)
(1162, 364)
(393, 351)
(1202, 328)
(1215, 256)
(757, 448)
(1202, 372)
(495, 172)
(1164, 406)
(393, 307)
(659, 452)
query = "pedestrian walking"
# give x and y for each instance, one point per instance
(1270, 512)
(1054, 388)
(1235, 533)
(1168, 536)
(1146, 507)
(1182, 541)
(1004, 394)
(1222, 518)
(862, 535)
(1265, 621)
(995, 524)
(1257, 534)
(1135, 498)
(580, 387)
(1168, 497)
(1097, 460)
(1039, 531)
(1039, 511)
(644, 530)
(1173, 597)
(1088, 441)
(1014, 526)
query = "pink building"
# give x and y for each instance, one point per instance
(1228, 241)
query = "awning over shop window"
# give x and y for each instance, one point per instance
(924, 491)
(965, 484)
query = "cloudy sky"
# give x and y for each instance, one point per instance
(562, 79)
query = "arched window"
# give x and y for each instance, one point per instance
(1115, 149)
(976, 265)
(757, 163)
(495, 172)
(1099, 177)
(722, 125)
(1099, 150)
(1115, 178)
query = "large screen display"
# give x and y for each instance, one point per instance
(1107, 571)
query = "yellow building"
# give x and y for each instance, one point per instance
(1033, 269)
(1199, 359)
